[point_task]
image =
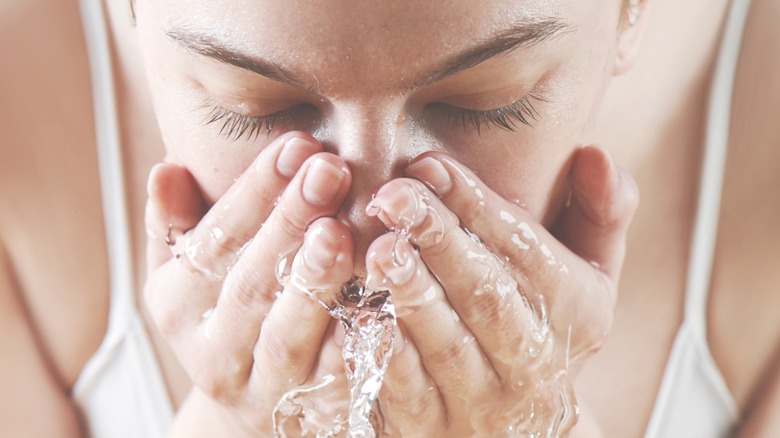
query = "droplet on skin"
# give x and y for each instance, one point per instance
(430, 294)
(528, 233)
(207, 314)
(519, 242)
(207, 328)
(507, 217)
(479, 194)
(547, 253)
(455, 315)
(284, 266)
(217, 233)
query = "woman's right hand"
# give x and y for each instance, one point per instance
(217, 301)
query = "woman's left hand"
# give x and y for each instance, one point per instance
(494, 318)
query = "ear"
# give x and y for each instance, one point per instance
(632, 29)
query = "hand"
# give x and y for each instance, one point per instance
(218, 302)
(492, 330)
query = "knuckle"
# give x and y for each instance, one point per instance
(210, 381)
(525, 258)
(450, 358)
(442, 245)
(410, 405)
(290, 224)
(274, 349)
(226, 243)
(472, 208)
(485, 307)
(245, 288)
(221, 376)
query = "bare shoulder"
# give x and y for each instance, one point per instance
(744, 326)
(50, 219)
(44, 82)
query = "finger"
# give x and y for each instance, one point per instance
(449, 351)
(250, 287)
(507, 229)
(477, 286)
(174, 202)
(293, 331)
(573, 291)
(409, 397)
(212, 246)
(604, 199)
(316, 407)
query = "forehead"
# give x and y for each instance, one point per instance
(358, 41)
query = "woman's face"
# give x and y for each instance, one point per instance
(379, 83)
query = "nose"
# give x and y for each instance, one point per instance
(374, 141)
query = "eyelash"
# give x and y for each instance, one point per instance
(506, 118)
(234, 126)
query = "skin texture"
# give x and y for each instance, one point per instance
(370, 127)
(53, 278)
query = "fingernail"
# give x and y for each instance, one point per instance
(398, 206)
(320, 249)
(294, 152)
(322, 182)
(431, 172)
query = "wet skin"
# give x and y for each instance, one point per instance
(376, 86)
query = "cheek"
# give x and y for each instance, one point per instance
(181, 116)
(530, 167)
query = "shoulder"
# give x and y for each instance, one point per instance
(745, 334)
(50, 211)
(46, 131)
(45, 113)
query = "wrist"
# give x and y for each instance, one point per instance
(202, 416)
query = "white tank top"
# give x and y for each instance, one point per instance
(121, 392)
(693, 400)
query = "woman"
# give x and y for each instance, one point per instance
(377, 88)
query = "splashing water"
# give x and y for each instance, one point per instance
(370, 329)
(369, 321)
(539, 401)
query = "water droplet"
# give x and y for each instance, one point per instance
(284, 266)
(217, 233)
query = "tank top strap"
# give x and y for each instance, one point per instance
(705, 228)
(116, 227)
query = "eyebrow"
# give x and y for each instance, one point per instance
(525, 34)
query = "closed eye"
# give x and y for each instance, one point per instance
(508, 118)
(235, 126)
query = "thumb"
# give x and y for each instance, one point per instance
(603, 201)
(175, 204)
